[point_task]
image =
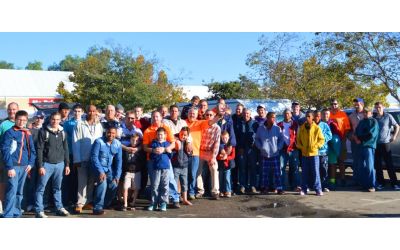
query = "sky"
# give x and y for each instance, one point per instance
(188, 57)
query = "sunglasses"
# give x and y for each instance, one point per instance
(334, 104)
(208, 115)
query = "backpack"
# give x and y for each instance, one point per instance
(48, 134)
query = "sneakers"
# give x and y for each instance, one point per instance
(191, 197)
(242, 190)
(320, 193)
(371, 190)
(379, 187)
(78, 210)
(302, 193)
(228, 194)
(150, 208)
(396, 187)
(199, 196)
(281, 192)
(163, 207)
(29, 208)
(62, 212)
(176, 205)
(98, 212)
(326, 190)
(215, 196)
(41, 215)
(253, 190)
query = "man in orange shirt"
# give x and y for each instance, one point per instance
(344, 127)
(196, 128)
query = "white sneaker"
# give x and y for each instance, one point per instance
(41, 215)
(62, 212)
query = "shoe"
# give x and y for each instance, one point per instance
(88, 207)
(371, 190)
(78, 210)
(175, 205)
(62, 212)
(297, 189)
(320, 193)
(281, 192)
(29, 208)
(150, 208)
(326, 190)
(191, 197)
(41, 215)
(253, 190)
(123, 208)
(221, 194)
(199, 196)
(242, 190)
(163, 207)
(302, 193)
(228, 195)
(396, 187)
(379, 187)
(215, 196)
(98, 212)
(273, 190)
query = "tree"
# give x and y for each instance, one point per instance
(35, 65)
(368, 57)
(307, 75)
(115, 75)
(6, 65)
(69, 63)
(244, 88)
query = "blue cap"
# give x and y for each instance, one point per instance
(39, 114)
(358, 99)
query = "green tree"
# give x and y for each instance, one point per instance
(69, 63)
(35, 65)
(243, 88)
(115, 75)
(368, 57)
(6, 65)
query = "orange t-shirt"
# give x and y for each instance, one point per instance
(151, 133)
(196, 128)
(342, 120)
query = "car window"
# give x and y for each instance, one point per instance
(396, 116)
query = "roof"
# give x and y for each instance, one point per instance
(32, 83)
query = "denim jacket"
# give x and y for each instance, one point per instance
(107, 157)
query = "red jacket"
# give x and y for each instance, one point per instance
(230, 157)
(293, 133)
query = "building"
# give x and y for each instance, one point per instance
(30, 86)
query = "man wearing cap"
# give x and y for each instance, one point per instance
(383, 150)
(366, 136)
(355, 119)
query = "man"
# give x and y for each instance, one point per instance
(246, 129)
(173, 121)
(269, 140)
(193, 103)
(110, 121)
(309, 141)
(9, 122)
(366, 136)
(119, 113)
(344, 128)
(83, 137)
(106, 159)
(236, 121)
(354, 119)
(140, 122)
(163, 111)
(323, 151)
(209, 147)
(262, 115)
(383, 150)
(129, 129)
(149, 135)
(19, 156)
(297, 115)
(203, 107)
(289, 153)
(53, 161)
(64, 110)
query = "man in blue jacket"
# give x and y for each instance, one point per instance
(19, 156)
(107, 165)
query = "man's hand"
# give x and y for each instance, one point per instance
(168, 150)
(212, 162)
(42, 171)
(159, 150)
(67, 170)
(116, 181)
(11, 173)
(28, 170)
(102, 177)
(189, 147)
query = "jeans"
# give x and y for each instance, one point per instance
(357, 158)
(159, 187)
(30, 188)
(367, 171)
(85, 184)
(193, 168)
(310, 173)
(14, 193)
(224, 178)
(384, 151)
(181, 175)
(173, 186)
(69, 186)
(248, 168)
(55, 172)
(105, 191)
(323, 170)
(293, 176)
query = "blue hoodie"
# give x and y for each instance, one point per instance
(18, 148)
(326, 132)
(269, 141)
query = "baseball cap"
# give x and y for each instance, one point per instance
(295, 103)
(358, 99)
(39, 114)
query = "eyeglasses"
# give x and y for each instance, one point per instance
(131, 118)
(208, 115)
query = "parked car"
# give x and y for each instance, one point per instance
(395, 146)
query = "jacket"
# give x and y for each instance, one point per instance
(83, 138)
(309, 141)
(107, 157)
(18, 148)
(269, 141)
(326, 132)
(160, 161)
(226, 124)
(52, 146)
(367, 132)
(246, 133)
(292, 135)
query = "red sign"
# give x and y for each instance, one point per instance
(41, 99)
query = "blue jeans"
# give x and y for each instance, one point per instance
(104, 192)
(192, 178)
(293, 176)
(14, 193)
(159, 187)
(30, 188)
(55, 172)
(367, 171)
(323, 170)
(224, 178)
(357, 159)
(248, 168)
(310, 173)
(173, 186)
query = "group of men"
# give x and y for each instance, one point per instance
(81, 155)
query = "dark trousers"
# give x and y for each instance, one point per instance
(383, 151)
